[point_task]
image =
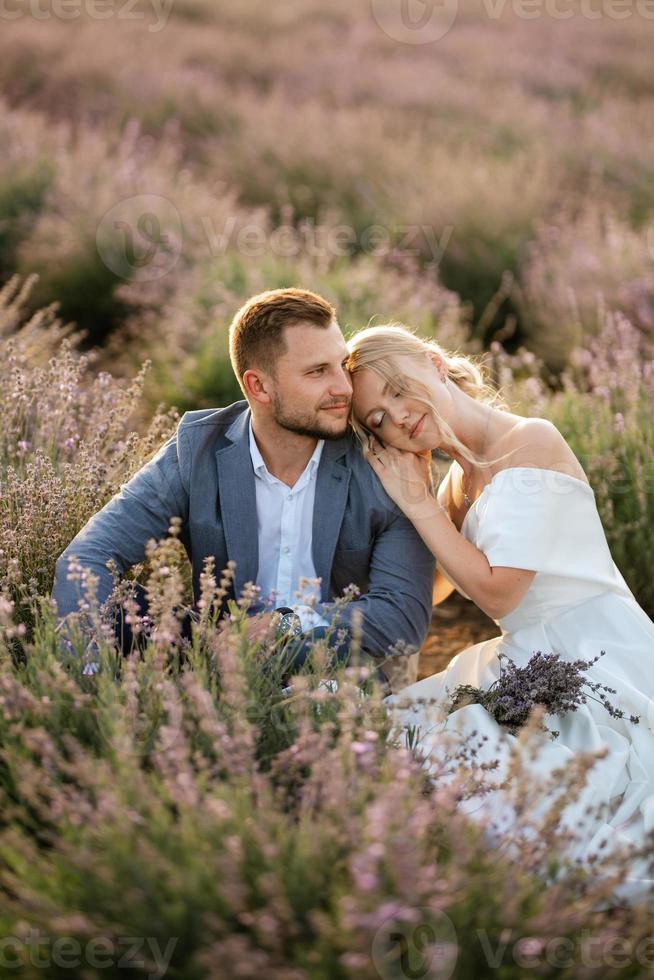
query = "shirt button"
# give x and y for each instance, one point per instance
(286, 549)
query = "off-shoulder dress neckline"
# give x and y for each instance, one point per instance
(542, 469)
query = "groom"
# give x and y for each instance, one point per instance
(276, 484)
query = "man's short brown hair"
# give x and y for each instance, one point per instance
(256, 334)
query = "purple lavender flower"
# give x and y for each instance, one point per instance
(557, 685)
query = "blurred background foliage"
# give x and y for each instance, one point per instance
(511, 155)
(494, 189)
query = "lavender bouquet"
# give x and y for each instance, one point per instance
(558, 685)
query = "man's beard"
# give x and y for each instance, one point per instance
(304, 423)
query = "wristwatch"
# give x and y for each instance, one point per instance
(289, 624)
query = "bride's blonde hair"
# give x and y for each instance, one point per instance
(377, 347)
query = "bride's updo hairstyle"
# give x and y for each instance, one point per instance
(376, 348)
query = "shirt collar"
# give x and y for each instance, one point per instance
(257, 459)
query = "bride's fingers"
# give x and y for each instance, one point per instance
(378, 463)
(375, 448)
(371, 457)
(389, 452)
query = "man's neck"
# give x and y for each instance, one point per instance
(285, 453)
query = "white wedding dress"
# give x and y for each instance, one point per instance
(577, 605)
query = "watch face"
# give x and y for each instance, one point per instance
(289, 625)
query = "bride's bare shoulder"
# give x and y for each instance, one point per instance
(538, 442)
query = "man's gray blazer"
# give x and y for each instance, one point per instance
(203, 474)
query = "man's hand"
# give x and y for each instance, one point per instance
(261, 627)
(258, 629)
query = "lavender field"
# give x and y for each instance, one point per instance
(484, 173)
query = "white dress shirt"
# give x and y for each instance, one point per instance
(285, 534)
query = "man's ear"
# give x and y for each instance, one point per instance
(257, 386)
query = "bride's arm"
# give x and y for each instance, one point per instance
(443, 588)
(497, 590)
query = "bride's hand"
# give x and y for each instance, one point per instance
(405, 476)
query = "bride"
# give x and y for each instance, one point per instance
(515, 528)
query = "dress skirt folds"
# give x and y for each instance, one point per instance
(577, 605)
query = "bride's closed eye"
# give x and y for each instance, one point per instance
(377, 421)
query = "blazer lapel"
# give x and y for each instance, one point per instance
(238, 502)
(332, 483)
